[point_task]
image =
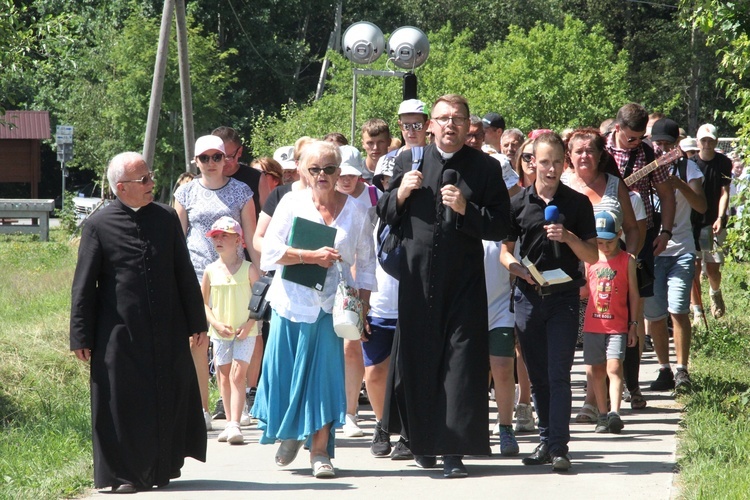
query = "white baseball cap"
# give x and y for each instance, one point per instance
(285, 156)
(411, 106)
(707, 130)
(209, 143)
(351, 160)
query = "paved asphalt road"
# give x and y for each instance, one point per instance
(639, 463)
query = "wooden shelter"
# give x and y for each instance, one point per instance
(21, 135)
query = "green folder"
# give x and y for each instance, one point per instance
(308, 235)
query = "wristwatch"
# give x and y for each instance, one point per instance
(631, 323)
(668, 232)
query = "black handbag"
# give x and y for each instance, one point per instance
(644, 274)
(259, 307)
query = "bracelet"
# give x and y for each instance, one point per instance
(631, 323)
(668, 232)
(299, 254)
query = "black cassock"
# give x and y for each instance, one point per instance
(135, 303)
(437, 383)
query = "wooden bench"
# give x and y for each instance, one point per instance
(37, 210)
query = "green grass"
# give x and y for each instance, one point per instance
(714, 445)
(45, 444)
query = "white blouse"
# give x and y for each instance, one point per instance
(353, 241)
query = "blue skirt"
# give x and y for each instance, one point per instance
(302, 383)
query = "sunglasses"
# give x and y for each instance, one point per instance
(143, 180)
(633, 139)
(412, 126)
(217, 157)
(526, 157)
(328, 170)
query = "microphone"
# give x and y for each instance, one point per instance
(450, 176)
(551, 215)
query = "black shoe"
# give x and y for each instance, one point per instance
(539, 457)
(453, 466)
(648, 344)
(401, 451)
(219, 413)
(665, 380)
(363, 398)
(682, 380)
(425, 461)
(381, 442)
(561, 463)
(250, 398)
(125, 488)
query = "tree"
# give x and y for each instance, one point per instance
(549, 77)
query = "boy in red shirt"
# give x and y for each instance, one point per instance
(613, 300)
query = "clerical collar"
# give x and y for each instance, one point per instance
(445, 155)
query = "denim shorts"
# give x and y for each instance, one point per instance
(673, 280)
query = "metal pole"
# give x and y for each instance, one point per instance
(354, 106)
(188, 130)
(62, 197)
(152, 124)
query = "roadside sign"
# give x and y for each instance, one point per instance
(65, 129)
(64, 138)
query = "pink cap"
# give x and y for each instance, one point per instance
(227, 225)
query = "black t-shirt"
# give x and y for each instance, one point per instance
(527, 223)
(269, 207)
(251, 177)
(717, 173)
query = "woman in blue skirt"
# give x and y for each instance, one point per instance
(301, 392)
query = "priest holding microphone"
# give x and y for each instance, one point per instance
(556, 229)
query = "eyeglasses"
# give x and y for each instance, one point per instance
(233, 155)
(328, 170)
(143, 180)
(412, 126)
(526, 157)
(457, 120)
(217, 157)
(475, 136)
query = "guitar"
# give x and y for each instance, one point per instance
(665, 159)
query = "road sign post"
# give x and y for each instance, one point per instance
(64, 140)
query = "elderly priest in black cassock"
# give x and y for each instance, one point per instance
(135, 303)
(436, 395)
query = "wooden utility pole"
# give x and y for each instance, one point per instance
(157, 86)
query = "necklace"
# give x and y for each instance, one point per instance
(335, 212)
(228, 271)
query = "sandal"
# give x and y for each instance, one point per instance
(587, 415)
(637, 401)
(322, 467)
(287, 452)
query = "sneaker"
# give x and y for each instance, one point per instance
(381, 442)
(363, 398)
(665, 380)
(648, 344)
(602, 426)
(524, 418)
(245, 418)
(222, 438)
(496, 428)
(717, 304)
(508, 443)
(250, 399)
(614, 423)
(682, 380)
(234, 434)
(219, 413)
(401, 451)
(207, 419)
(351, 429)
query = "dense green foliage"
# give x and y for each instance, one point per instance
(529, 77)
